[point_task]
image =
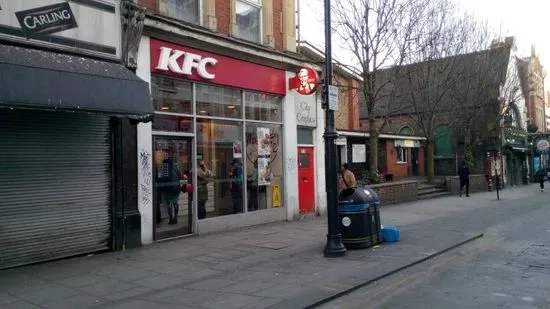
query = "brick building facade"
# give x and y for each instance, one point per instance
(532, 82)
(277, 18)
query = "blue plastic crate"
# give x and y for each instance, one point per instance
(390, 234)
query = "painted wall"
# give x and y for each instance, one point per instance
(145, 161)
(320, 187)
(290, 154)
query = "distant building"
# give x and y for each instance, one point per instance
(481, 111)
(532, 82)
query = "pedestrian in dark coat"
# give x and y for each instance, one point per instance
(539, 175)
(464, 176)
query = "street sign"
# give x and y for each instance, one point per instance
(332, 97)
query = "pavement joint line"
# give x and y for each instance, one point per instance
(371, 281)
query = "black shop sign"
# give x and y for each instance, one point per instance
(46, 19)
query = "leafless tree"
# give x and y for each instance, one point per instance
(489, 89)
(378, 34)
(440, 61)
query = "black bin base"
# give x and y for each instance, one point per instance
(363, 228)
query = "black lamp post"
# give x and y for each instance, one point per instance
(334, 246)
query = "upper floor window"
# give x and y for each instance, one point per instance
(184, 10)
(249, 19)
(406, 131)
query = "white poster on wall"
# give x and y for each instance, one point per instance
(358, 153)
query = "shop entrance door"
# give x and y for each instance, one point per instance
(172, 162)
(306, 180)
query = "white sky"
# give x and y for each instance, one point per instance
(524, 19)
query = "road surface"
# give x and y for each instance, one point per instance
(508, 268)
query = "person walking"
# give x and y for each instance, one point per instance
(539, 175)
(464, 176)
(346, 178)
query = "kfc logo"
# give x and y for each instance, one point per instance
(305, 82)
(171, 60)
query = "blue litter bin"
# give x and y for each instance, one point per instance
(359, 214)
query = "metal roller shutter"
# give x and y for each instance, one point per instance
(55, 185)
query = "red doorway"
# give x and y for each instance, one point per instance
(306, 179)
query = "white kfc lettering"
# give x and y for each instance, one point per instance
(168, 61)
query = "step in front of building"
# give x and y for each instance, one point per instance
(433, 195)
(429, 191)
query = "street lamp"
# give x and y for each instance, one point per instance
(334, 246)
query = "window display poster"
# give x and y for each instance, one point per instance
(237, 150)
(264, 142)
(359, 153)
(264, 172)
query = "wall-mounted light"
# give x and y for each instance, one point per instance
(203, 112)
(231, 106)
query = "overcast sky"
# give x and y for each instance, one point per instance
(524, 19)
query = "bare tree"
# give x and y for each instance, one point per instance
(378, 34)
(469, 96)
(441, 61)
(488, 90)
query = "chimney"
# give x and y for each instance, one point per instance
(533, 53)
(510, 41)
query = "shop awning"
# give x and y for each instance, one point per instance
(38, 79)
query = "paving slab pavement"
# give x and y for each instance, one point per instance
(276, 265)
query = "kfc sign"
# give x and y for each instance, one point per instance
(180, 61)
(305, 82)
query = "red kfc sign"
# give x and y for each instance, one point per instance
(305, 82)
(189, 63)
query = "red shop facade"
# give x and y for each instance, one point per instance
(214, 156)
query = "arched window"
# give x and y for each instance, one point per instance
(406, 131)
(443, 145)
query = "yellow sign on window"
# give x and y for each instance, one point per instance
(276, 196)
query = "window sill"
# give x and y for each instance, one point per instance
(401, 163)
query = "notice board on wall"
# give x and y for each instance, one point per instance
(358, 153)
